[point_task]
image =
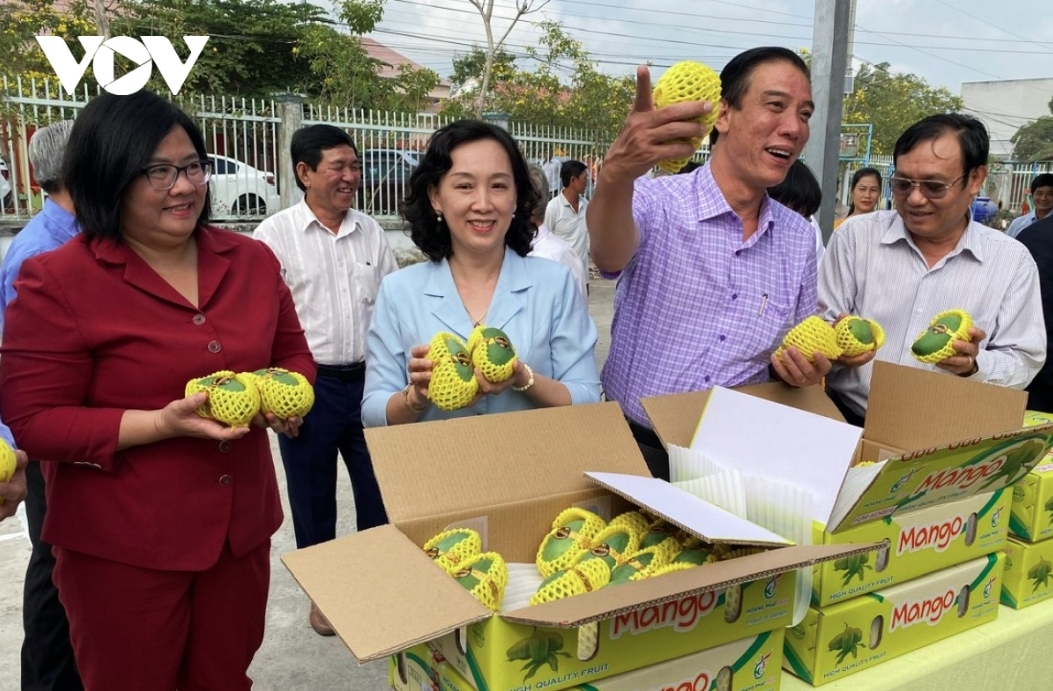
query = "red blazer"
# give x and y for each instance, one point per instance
(94, 331)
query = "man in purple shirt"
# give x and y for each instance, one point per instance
(711, 272)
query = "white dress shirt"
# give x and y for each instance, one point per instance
(334, 278)
(1021, 222)
(563, 222)
(548, 246)
(873, 269)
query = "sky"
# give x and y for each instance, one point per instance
(946, 42)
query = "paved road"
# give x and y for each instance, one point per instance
(293, 657)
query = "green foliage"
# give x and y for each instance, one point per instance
(893, 102)
(21, 20)
(1034, 141)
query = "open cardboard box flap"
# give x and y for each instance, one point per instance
(382, 593)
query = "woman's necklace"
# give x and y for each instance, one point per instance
(476, 322)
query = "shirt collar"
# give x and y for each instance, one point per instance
(971, 240)
(60, 220)
(713, 204)
(347, 225)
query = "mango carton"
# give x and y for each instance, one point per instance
(1032, 517)
(1028, 573)
(833, 642)
(918, 542)
(508, 476)
(416, 669)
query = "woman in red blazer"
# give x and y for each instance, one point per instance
(160, 520)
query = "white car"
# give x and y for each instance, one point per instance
(5, 186)
(238, 189)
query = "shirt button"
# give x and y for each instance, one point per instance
(707, 379)
(721, 338)
(734, 296)
(224, 446)
(198, 319)
(214, 347)
(226, 480)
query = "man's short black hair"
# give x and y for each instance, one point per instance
(308, 143)
(972, 137)
(570, 169)
(735, 77)
(1041, 180)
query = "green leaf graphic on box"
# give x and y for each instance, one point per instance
(539, 648)
(1040, 574)
(848, 641)
(853, 566)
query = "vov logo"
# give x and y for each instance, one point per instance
(100, 51)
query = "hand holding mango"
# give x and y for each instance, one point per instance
(688, 81)
(936, 343)
(236, 399)
(453, 383)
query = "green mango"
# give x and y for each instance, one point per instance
(860, 329)
(937, 336)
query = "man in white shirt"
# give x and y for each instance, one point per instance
(565, 214)
(551, 167)
(901, 268)
(547, 245)
(1042, 200)
(333, 259)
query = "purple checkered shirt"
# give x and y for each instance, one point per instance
(697, 307)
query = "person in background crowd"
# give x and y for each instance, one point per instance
(1042, 199)
(469, 206)
(901, 268)
(552, 166)
(13, 492)
(48, 662)
(160, 519)
(800, 192)
(333, 258)
(711, 273)
(548, 245)
(1038, 239)
(866, 193)
(565, 213)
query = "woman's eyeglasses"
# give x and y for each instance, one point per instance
(932, 189)
(163, 176)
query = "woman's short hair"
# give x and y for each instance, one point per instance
(540, 181)
(866, 172)
(433, 237)
(111, 142)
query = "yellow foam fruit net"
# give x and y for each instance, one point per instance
(451, 548)
(811, 336)
(233, 399)
(936, 343)
(571, 535)
(635, 521)
(8, 462)
(615, 544)
(688, 81)
(581, 578)
(856, 335)
(492, 353)
(485, 577)
(670, 568)
(283, 393)
(453, 384)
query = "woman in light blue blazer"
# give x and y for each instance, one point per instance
(469, 207)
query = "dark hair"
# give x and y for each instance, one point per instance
(430, 235)
(111, 142)
(972, 137)
(570, 169)
(799, 190)
(856, 177)
(308, 143)
(1041, 180)
(735, 77)
(689, 167)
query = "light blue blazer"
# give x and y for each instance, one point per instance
(535, 302)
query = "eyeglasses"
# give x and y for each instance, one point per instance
(163, 177)
(932, 189)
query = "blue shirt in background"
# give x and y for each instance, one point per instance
(48, 230)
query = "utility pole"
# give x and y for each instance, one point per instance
(831, 34)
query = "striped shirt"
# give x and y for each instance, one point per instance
(334, 278)
(872, 268)
(1021, 222)
(697, 306)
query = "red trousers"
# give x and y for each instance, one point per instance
(139, 629)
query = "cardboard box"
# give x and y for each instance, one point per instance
(836, 641)
(752, 664)
(1028, 573)
(938, 451)
(416, 669)
(1032, 517)
(510, 475)
(919, 542)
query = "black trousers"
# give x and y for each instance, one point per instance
(850, 416)
(47, 655)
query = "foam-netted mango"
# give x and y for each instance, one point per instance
(8, 462)
(581, 578)
(232, 398)
(856, 335)
(639, 565)
(283, 394)
(936, 343)
(614, 544)
(636, 521)
(484, 576)
(492, 353)
(813, 335)
(571, 535)
(451, 548)
(688, 81)
(453, 384)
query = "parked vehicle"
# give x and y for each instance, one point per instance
(385, 174)
(5, 186)
(239, 189)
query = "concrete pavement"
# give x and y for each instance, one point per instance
(293, 657)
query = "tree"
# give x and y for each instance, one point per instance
(22, 20)
(486, 11)
(1034, 141)
(892, 102)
